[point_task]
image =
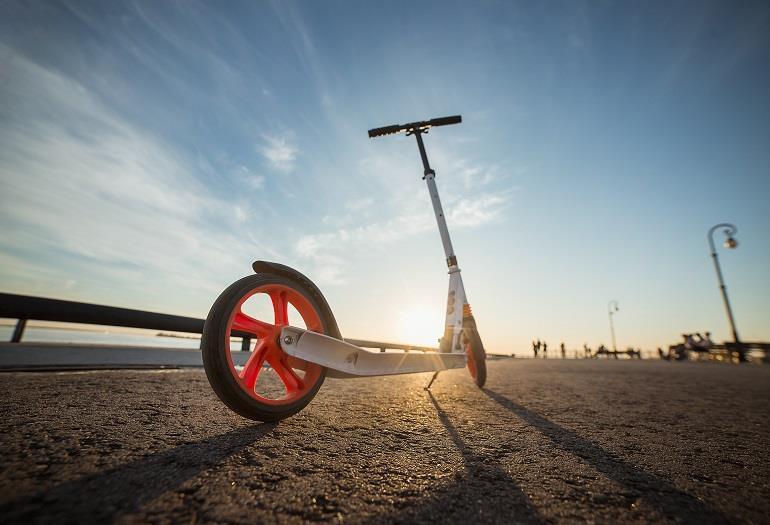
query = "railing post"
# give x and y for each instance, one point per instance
(18, 331)
(245, 344)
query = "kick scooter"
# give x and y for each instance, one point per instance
(297, 336)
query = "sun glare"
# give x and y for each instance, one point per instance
(420, 326)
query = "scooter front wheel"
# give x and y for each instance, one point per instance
(271, 385)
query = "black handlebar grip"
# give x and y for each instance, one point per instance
(386, 130)
(412, 126)
(445, 121)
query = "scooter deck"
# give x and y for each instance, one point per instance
(346, 360)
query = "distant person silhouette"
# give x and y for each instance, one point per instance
(535, 347)
(563, 351)
(545, 350)
(586, 351)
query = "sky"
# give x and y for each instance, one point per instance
(150, 151)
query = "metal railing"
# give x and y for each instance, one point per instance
(26, 307)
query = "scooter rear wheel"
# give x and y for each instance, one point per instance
(254, 391)
(474, 349)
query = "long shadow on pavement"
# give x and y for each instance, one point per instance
(101, 497)
(483, 493)
(657, 493)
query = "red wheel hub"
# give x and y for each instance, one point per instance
(298, 377)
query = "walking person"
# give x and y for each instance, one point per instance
(536, 347)
(545, 350)
(563, 352)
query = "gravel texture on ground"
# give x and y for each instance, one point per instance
(546, 442)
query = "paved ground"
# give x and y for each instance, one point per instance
(548, 441)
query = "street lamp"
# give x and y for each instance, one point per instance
(612, 307)
(731, 243)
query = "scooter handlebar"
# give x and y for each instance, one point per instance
(398, 128)
(386, 130)
(445, 121)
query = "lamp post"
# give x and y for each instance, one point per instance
(612, 307)
(731, 243)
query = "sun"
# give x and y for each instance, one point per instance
(419, 325)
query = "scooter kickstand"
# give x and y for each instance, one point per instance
(432, 379)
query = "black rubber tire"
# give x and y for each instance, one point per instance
(215, 360)
(477, 353)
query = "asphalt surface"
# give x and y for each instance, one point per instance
(547, 442)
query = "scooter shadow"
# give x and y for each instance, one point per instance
(483, 493)
(102, 497)
(657, 493)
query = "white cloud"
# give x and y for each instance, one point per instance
(398, 207)
(473, 175)
(478, 211)
(325, 249)
(249, 178)
(279, 152)
(312, 245)
(77, 179)
(328, 269)
(477, 176)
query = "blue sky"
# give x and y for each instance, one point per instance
(150, 151)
